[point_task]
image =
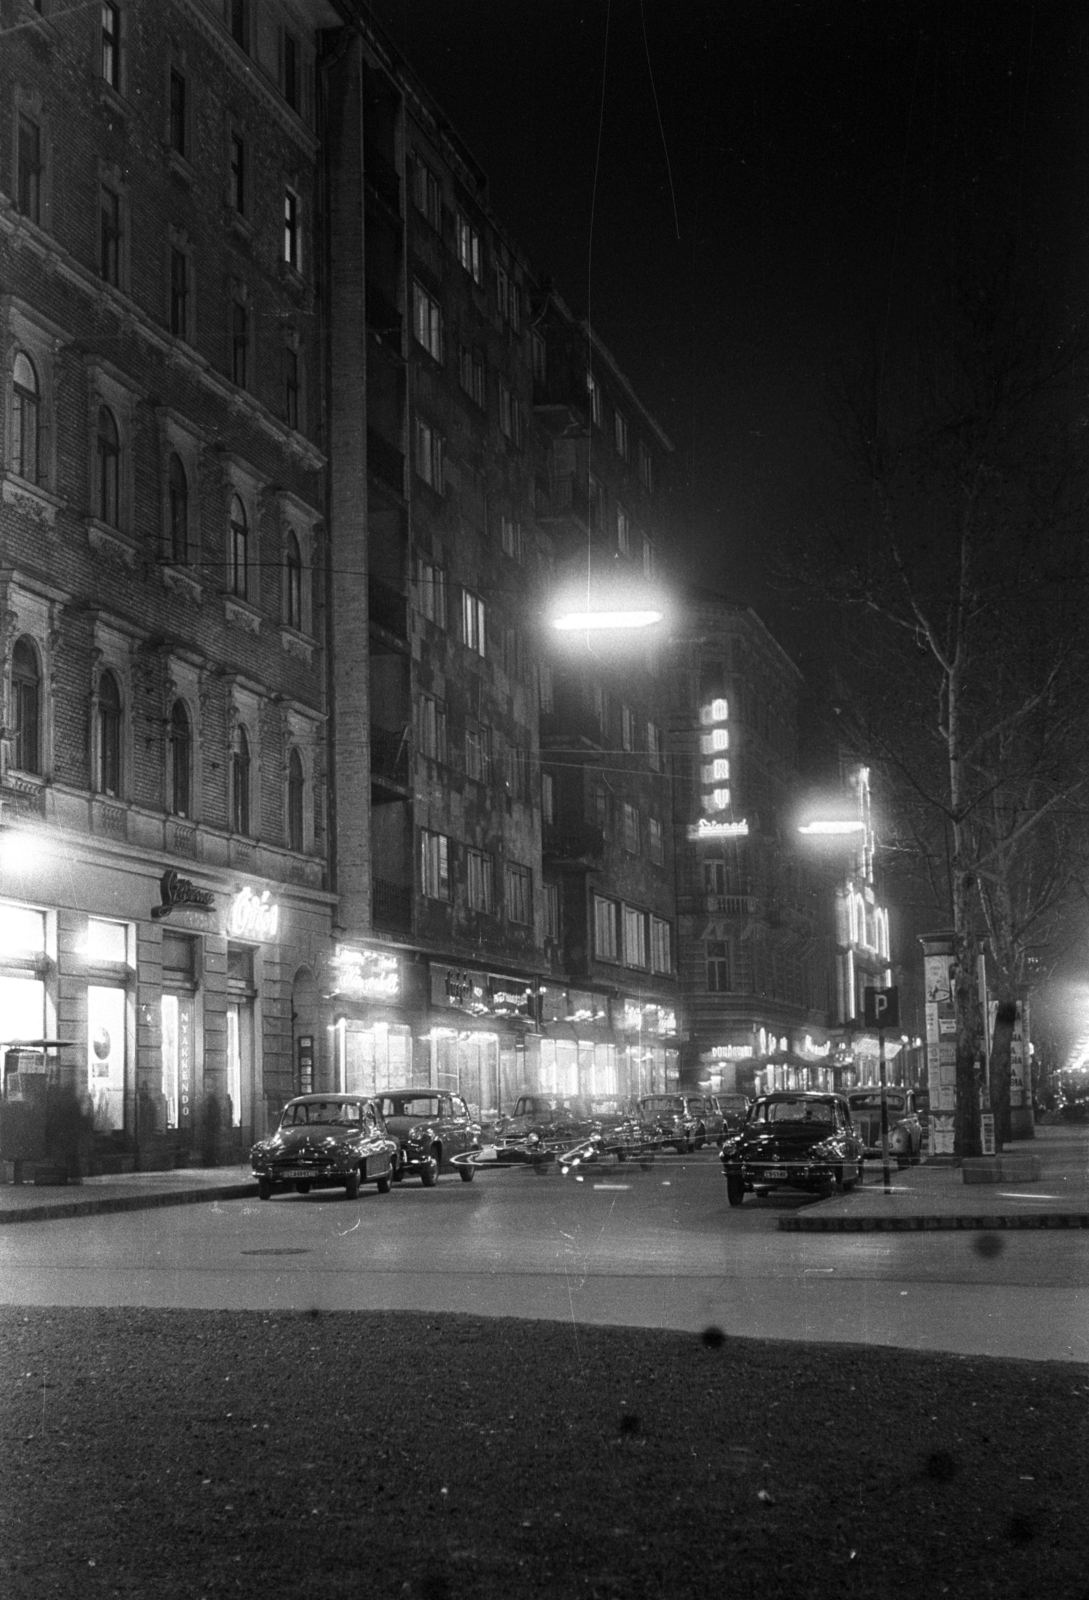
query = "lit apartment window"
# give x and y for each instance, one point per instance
(468, 240)
(431, 728)
(472, 621)
(630, 815)
(427, 321)
(427, 193)
(109, 235)
(620, 434)
(434, 865)
(111, 44)
(518, 893)
(718, 966)
(481, 879)
(26, 409)
(29, 168)
(661, 955)
(430, 456)
(635, 937)
(593, 395)
(606, 929)
(179, 96)
(292, 231)
(431, 593)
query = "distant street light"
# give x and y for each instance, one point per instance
(590, 621)
(832, 825)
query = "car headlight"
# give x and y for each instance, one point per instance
(827, 1150)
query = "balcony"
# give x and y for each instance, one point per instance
(385, 462)
(387, 607)
(574, 841)
(391, 906)
(389, 756)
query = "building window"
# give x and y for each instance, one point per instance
(108, 455)
(290, 57)
(291, 388)
(468, 243)
(654, 746)
(648, 558)
(606, 929)
(434, 865)
(472, 375)
(292, 231)
(552, 911)
(518, 772)
(620, 434)
(109, 735)
(478, 752)
(427, 193)
(111, 44)
(109, 235)
(631, 828)
(177, 511)
(518, 893)
(506, 295)
(430, 456)
(661, 955)
(431, 593)
(623, 531)
(635, 937)
(179, 293)
(646, 468)
(627, 728)
(238, 558)
(481, 880)
(593, 395)
(240, 22)
(596, 506)
(472, 621)
(28, 163)
(296, 790)
(718, 966)
(293, 567)
(514, 652)
(240, 341)
(237, 182)
(546, 700)
(25, 419)
(655, 844)
(26, 706)
(510, 537)
(599, 799)
(539, 359)
(181, 760)
(240, 781)
(427, 321)
(548, 797)
(431, 728)
(179, 110)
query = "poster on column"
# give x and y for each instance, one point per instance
(106, 1056)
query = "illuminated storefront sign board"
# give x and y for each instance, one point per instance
(480, 993)
(253, 916)
(731, 1052)
(175, 891)
(707, 828)
(366, 974)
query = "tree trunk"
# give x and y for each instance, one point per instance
(1005, 1017)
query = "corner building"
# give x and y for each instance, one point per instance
(164, 901)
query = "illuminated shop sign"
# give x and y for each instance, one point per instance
(731, 1052)
(174, 891)
(481, 994)
(366, 974)
(253, 916)
(716, 776)
(706, 828)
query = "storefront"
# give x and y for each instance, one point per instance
(174, 996)
(604, 1045)
(759, 1061)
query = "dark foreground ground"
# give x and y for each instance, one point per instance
(166, 1454)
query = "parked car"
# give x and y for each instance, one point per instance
(734, 1109)
(904, 1121)
(326, 1140)
(705, 1109)
(431, 1127)
(800, 1140)
(667, 1120)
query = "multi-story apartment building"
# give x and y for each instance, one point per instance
(163, 897)
(755, 920)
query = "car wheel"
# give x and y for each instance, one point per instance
(735, 1190)
(621, 1155)
(467, 1172)
(429, 1172)
(351, 1185)
(681, 1147)
(385, 1183)
(264, 1189)
(303, 1186)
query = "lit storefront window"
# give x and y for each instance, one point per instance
(106, 1055)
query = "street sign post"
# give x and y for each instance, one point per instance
(881, 1010)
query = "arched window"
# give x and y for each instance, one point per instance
(240, 782)
(108, 486)
(293, 583)
(25, 419)
(181, 760)
(109, 735)
(239, 559)
(177, 493)
(26, 704)
(296, 788)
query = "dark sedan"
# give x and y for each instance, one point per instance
(668, 1120)
(905, 1127)
(431, 1128)
(799, 1140)
(323, 1141)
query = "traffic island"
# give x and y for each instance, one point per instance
(1016, 1166)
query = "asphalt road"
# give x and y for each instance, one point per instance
(654, 1249)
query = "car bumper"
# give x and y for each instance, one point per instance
(793, 1174)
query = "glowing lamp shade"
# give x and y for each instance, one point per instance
(589, 621)
(832, 826)
(606, 602)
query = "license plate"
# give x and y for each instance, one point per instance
(775, 1172)
(295, 1172)
(487, 1153)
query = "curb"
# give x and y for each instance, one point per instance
(126, 1202)
(945, 1223)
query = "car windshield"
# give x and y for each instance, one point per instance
(311, 1112)
(528, 1106)
(871, 1101)
(661, 1102)
(410, 1105)
(819, 1111)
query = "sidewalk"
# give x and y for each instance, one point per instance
(932, 1196)
(928, 1196)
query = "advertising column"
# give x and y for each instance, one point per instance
(941, 1040)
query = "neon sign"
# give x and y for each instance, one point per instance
(366, 974)
(253, 916)
(707, 828)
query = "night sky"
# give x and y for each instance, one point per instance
(743, 192)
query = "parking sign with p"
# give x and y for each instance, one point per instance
(881, 1008)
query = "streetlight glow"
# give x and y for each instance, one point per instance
(829, 825)
(590, 621)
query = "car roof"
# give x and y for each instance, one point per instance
(820, 1095)
(410, 1088)
(308, 1099)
